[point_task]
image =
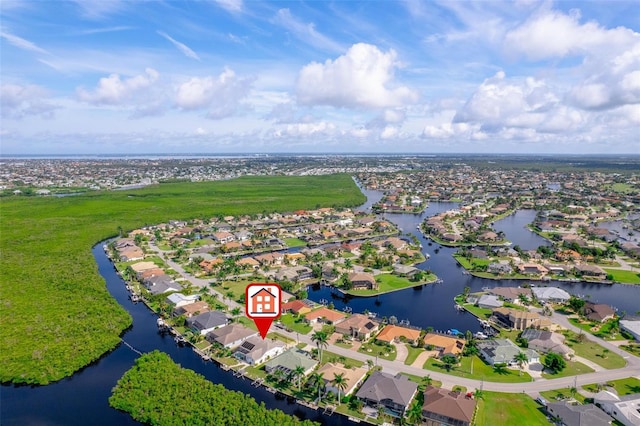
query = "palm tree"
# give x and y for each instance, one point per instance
(340, 383)
(318, 383)
(320, 338)
(414, 414)
(298, 373)
(500, 368)
(449, 361)
(522, 359)
(572, 391)
(235, 312)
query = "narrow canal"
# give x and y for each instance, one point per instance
(83, 397)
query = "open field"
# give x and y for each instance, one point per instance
(57, 313)
(481, 371)
(508, 409)
(389, 282)
(593, 352)
(624, 276)
(626, 386)
(573, 368)
(561, 395)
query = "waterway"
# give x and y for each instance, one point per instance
(83, 397)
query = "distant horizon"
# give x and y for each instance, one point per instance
(237, 76)
(196, 155)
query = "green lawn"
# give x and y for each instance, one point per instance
(508, 409)
(382, 351)
(623, 386)
(238, 288)
(573, 368)
(606, 331)
(294, 242)
(413, 354)
(633, 349)
(561, 395)
(298, 325)
(481, 371)
(47, 264)
(420, 380)
(390, 282)
(333, 357)
(624, 276)
(593, 352)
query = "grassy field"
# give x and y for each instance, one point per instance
(57, 315)
(561, 395)
(298, 326)
(413, 354)
(379, 350)
(389, 282)
(294, 242)
(606, 331)
(623, 386)
(508, 409)
(624, 276)
(481, 371)
(573, 368)
(593, 352)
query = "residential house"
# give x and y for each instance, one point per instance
(510, 294)
(223, 237)
(546, 341)
(147, 273)
(131, 253)
(632, 327)
(489, 301)
(297, 307)
(178, 299)
(256, 350)
(551, 294)
(248, 262)
(289, 360)
(445, 345)
(161, 284)
(499, 268)
(405, 270)
(231, 335)
(294, 273)
(393, 333)
(207, 321)
(394, 393)
(353, 377)
(501, 351)
(191, 309)
(587, 270)
(567, 414)
(625, 409)
(358, 326)
(141, 266)
(532, 269)
(442, 407)
(598, 312)
(362, 280)
(324, 315)
(520, 320)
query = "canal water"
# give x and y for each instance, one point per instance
(83, 397)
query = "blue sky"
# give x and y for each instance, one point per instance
(229, 76)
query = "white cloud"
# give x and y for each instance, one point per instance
(502, 103)
(186, 50)
(18, 101)
(231, 5)
(221, 95)
(617, 83)
(552, 34)
(363, 77)
(114, 91)
(98, 9)
(389, 132)
(22, 43)
(306, 32)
